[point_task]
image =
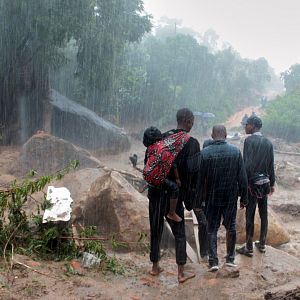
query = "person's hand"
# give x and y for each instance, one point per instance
(272, 190)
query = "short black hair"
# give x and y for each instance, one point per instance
(151, 136)
(183, 115)
(219, 131)
(254, 120)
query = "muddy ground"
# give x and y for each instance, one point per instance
(53, 280)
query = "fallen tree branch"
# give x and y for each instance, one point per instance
(85, 238)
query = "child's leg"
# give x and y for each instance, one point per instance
(172, 212)
(173, 189)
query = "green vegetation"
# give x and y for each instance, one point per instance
(283, 114)
(19, 232)
(26, 234)
(283, 117)
(101, 54)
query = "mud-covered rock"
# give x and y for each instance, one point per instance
(228, 272)
(277, 234)
(48, 154)
(114, 206)
(107, 200)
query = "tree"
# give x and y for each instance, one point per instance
(32, 33)
(283, 117)
(112, 26)
(291, 79)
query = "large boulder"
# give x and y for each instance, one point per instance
(277, 234)
(115, 206)
(48, 154)
(83, 127)
(107, 200)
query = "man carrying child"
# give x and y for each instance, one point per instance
(158, 198)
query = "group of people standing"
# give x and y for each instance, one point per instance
(211, 181)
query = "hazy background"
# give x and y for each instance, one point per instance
(256, 28)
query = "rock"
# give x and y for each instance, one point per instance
(288, 291)
(83, 127)
(48, 154)
(114, 206)
(228, 272)
(108, 201)
(288, 208)
(277, 234)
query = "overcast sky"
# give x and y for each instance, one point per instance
(255, 28)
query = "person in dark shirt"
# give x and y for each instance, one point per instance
(259, 163)
(222, 179)
(151, 136)
(158, 199)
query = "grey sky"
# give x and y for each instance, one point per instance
(255, 28)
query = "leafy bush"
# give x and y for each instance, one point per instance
(283, 118)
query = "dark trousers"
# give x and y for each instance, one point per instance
(262, 204)
(202, 232)
(214, 214)
(158, 208)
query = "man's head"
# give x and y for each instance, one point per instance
(185, 119)
(253, 124)
(219, 133)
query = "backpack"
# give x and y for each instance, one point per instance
(161, 155)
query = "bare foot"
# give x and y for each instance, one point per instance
(185, 276)
(174, 217)
(156, 271)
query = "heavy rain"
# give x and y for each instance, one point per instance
(149, 149)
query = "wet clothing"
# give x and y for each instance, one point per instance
(214, 215)
(222, 179)
(259, 159)
(207, 143)
(223, 175)
(158, 208)
(202, 231)
(262, 204)
(172, 187)
(187, 163)
(159, 201)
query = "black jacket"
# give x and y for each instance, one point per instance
(258, 157)
(188, 163)
(222, 175)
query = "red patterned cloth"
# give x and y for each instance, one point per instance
(161, 155)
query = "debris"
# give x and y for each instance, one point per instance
(34, 270)
(89, 260)
(61, 200)
(288, 291)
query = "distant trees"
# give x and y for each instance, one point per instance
(33, 34)
(283, 117)
(174, 70)
(283, 114)
(98, 53)
(291, 79)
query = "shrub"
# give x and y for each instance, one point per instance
(283, 118)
